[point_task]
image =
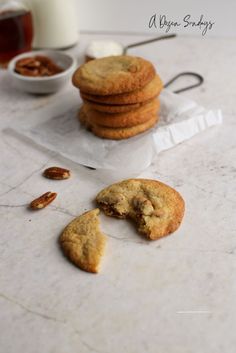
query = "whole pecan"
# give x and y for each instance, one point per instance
(56, 173)
(43, 200)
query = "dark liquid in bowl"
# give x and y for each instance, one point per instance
(16, 34)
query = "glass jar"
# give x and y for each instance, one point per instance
(16, 30)
(55, 23)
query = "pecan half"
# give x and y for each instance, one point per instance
(27, 71)
(56, 173)
(43, 200)
(25, 62)
(143, 205)
(37, 66)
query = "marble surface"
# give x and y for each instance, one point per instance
(175, 295)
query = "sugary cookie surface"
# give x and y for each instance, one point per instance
(83, 242)
(156, 208)
(113, 75)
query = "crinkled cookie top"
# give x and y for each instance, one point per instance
(113, 75)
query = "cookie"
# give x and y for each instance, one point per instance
(149, 91)
(128, 119)
(113, 75)
(123, 133)
(82, 117)
(112, 108)
(83, 243)
(117, 133)
(156, 208)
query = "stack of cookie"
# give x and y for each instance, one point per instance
(119, 96)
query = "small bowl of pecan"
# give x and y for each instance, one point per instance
(42, 72)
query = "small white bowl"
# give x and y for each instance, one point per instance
(43, 85)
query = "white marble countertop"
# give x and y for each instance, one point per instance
(175, 295)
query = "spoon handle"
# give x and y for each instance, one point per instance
(197, 76)
(168, 36)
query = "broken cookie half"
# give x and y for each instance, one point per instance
(83, 242)
(156, 208)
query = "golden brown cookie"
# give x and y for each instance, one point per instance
(113, 75)
(128, 119)
(123, 133)
(116, 133)
(156, 208)
(112, 108)
(82, 117)
(83, 242)
(149, 91)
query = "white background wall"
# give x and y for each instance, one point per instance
(134, 15)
